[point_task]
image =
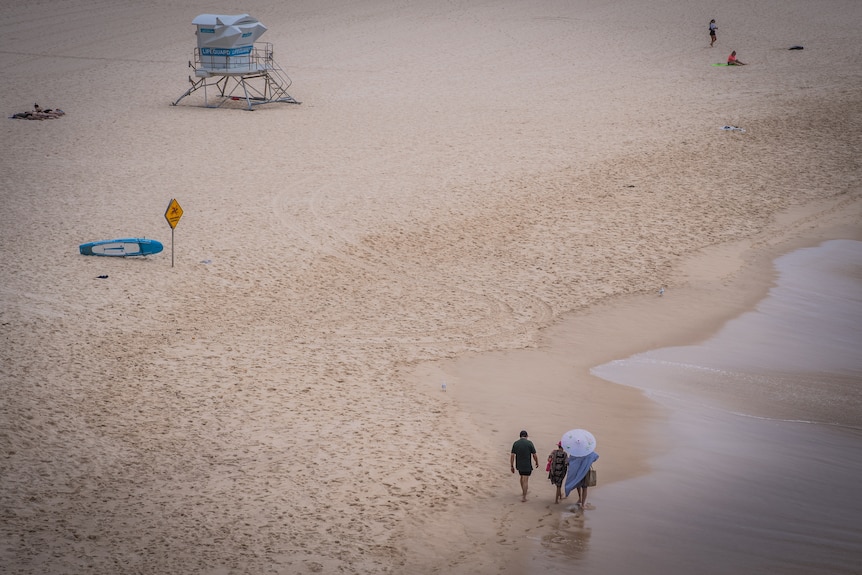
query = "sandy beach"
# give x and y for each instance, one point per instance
(487, 195)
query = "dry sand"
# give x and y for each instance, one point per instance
(458, 178)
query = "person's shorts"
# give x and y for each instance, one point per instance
(526, 473)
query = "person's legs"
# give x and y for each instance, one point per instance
(559, 493)
(524, 480)
(583, 496)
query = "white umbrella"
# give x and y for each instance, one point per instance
(578, 442)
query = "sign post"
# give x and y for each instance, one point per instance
(173, 215)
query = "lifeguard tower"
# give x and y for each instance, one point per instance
(228, 60)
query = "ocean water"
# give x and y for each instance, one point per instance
(798, 356)
(761, 463)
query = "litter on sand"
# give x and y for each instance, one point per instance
(733, 129)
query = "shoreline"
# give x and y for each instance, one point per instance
(716, 285)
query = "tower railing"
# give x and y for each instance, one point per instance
(250, 73)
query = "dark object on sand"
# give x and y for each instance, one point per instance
(796, 48)
(37, 113)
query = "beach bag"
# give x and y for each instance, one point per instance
(591, 477)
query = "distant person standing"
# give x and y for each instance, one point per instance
(520, 460)
(712, 29)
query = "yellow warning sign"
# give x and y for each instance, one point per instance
(173, 213)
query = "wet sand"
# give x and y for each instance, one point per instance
(765, 435)
(737, 473)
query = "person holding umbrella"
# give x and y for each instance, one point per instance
(581, 446)
(520, 459)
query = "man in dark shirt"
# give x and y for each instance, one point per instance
(520, 460)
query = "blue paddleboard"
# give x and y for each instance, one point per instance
(122, 248)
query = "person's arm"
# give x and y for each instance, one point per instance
(512, 462)
(536, 459)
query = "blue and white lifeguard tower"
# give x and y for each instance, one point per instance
(228, 59)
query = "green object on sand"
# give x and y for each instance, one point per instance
(720, 64)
